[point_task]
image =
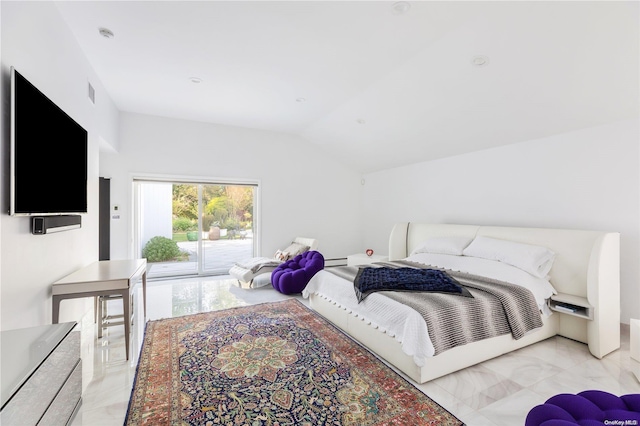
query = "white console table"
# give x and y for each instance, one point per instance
(104, 278)
(41, 375)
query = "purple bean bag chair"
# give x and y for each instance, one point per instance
(588, 408)
(293, 275)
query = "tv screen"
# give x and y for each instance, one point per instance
(48, 155)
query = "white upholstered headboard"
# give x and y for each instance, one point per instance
(587, 264)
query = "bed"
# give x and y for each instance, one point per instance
(584, 272)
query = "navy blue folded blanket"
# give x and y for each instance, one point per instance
(369, 280)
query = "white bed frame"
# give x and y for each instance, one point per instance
(586, 268)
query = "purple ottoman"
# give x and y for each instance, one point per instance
(293, 275)
(588, 408)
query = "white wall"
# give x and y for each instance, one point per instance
(303, 192)
(587, 179)
(156, 211)
(37, 42)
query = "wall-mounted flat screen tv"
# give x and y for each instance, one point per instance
(48, 155)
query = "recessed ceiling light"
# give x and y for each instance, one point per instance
(301, 100)
(360, 121)
(195, 80)
(480, 61)
(400, 7)
(105, 32)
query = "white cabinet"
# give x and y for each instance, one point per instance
(41, 375)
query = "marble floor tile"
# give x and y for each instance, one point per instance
(497, 392)
(465, 383)
(522, 368)
(473, 418)
(513, 409)
(559, 351)
(492, 394)
(607, 375)
(444, 398)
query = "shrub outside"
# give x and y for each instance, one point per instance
(160, 249)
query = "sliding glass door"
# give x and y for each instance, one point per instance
(227, 226)
(194, 228)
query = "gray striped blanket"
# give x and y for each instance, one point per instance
(496, 308)
(256, 263)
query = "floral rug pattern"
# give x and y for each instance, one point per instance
(272, 364)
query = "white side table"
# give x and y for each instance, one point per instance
(363, 259)
(104, 278)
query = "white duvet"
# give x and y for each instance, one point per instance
(405, 324)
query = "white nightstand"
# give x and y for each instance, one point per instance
(571, 305)
(363, 259)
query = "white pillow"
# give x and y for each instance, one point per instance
(295, 249)
(443, 245)
(536, 260)
(282, 255)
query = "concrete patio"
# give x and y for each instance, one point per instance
(218, 257)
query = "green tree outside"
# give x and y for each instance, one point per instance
(228, 206)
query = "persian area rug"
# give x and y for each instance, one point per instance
(271, 364)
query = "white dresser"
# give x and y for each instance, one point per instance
(41, 376)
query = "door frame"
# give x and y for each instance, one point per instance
(134, 230)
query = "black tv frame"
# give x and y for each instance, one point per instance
(54, 153)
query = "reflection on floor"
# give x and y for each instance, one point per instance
(496, 392)
(217, 257)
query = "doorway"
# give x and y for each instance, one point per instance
(194, 228)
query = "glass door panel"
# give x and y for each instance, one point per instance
(194, 228)
(227, 226)
(166, 238)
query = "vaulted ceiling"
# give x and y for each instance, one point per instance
(377, 84)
